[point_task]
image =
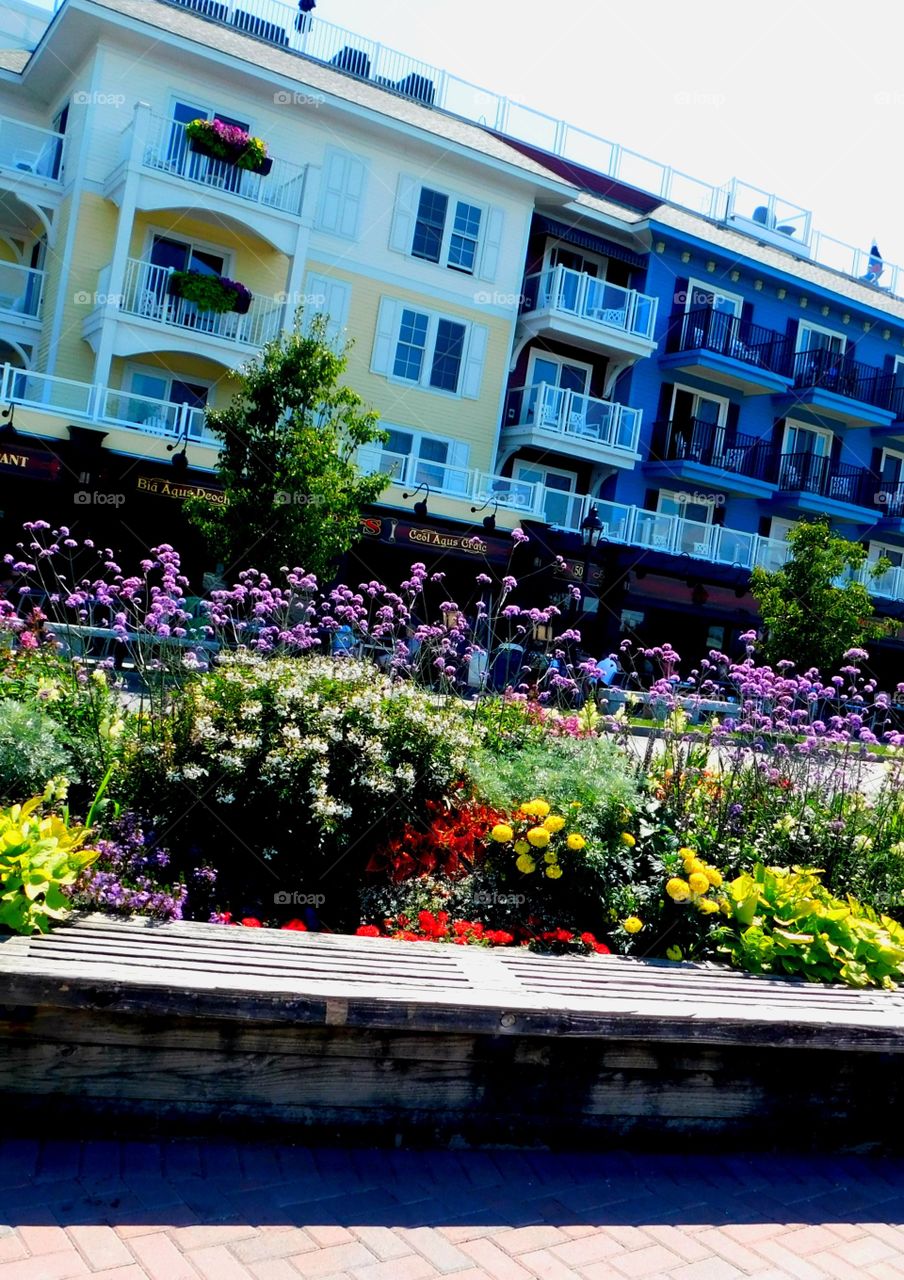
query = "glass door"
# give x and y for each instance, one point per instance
(559, 503)
(560, 378)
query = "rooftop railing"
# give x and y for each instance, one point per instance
(759, 213)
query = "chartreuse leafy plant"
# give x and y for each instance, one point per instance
(786, 921)
(39, 856)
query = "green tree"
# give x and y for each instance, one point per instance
(294, 491)
(812, 607)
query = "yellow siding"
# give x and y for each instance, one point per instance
(92, 249)
(473, 421)
(254, 262)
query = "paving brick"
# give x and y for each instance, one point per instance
(44, 1239)
(830, 1264)
(217, 1263)
(742, 1256)
(273, 1269)
(863, 1252)
(382, 1241)
(493, 1260)
(524, 1239)
(711, 1269)
(440, 1252)
(161, 1259)
(101, 1247)
(684, 1243)
(587, 1249)
(327, 1236)
(274, 1244)
(653, 1260)
(49, 1266)
(545, 1265)
(806, 1240)
(12, 1248)
(204, 1237)
(326, 1262)
(133, 1272)
(414, 1267)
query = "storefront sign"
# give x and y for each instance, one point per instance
(390, 530)
(34, 463)
(164, 488)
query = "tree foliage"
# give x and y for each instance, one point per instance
(294, 492)
(813, 608)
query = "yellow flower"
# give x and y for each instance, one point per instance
(575, 842)
(678, 890)
(698, 882)
(538, 837)
(628, 839)
(502, 832)
(674, 953)
(687, 853)
(554, 872)
(713, 876)
(535, 808)
(692, 865)
(526, 864)
(554, 823)
(521, 846)
(707, 906)
(550, 856)
(632, 924)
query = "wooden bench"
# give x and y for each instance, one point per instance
(119, 1025)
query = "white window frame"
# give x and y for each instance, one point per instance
(704, 287)
(805, 326)
(177, 96)
(453, 199)
(892, 453)
(228, 255)
(876, 550)
(546, 471)
(780, 527)
(601, 263)
(344, 220)
(794, 424)
(722, 401)
(404, 225)
(458, 452)
(539, 354)
(386, 344)
(673, 496)
(165, 375)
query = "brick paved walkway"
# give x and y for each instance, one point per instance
(227, 1211)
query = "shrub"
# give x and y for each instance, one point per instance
(785, 921)
(40, 856)
(288, 772)
(32, 750)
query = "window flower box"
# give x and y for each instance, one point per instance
(229, 144)
(210, 293)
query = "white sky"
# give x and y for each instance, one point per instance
(801, 97)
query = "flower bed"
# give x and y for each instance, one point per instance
(282, 784)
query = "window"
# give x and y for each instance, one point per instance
(812, 337)
(813, 441)
(689, 506)
(881, 551)
(701, 295)
(326, 296)
(413, 458)
(438, 226)
(560, 506)
(429, 350)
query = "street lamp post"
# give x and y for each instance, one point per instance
(591, 533)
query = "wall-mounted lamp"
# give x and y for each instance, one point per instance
(489, 521)
(7, 423)
(420, 508)
(179, 450)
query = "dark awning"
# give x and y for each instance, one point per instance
(586, 240)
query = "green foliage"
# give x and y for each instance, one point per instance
(810, 619)
(294, 492)
(508, 723)
(39, 856)
(208, 293)
(786, 921)
(32, 750)
(289, 772)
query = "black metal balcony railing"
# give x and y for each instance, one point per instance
(834, 371)
(890, 498)
(694, 440)
(841, 481)
(728, 335)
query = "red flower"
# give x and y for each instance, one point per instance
(251, 923)
(298, 925)
(499, 938)
(601, 949)
(367, 931)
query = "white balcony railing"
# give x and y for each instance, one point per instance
(574, 293)
(146, 294)
(29, 149)
(107, 405)
(21, 289)
(556, 411)
(167, 151)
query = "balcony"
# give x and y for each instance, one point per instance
(148, 317)
(567, 422)
(586, 312)
(839, 387)
(703, 453)
(724, 348)
(823, 486)
(103, 406)
(167, 151)
(29, 153)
